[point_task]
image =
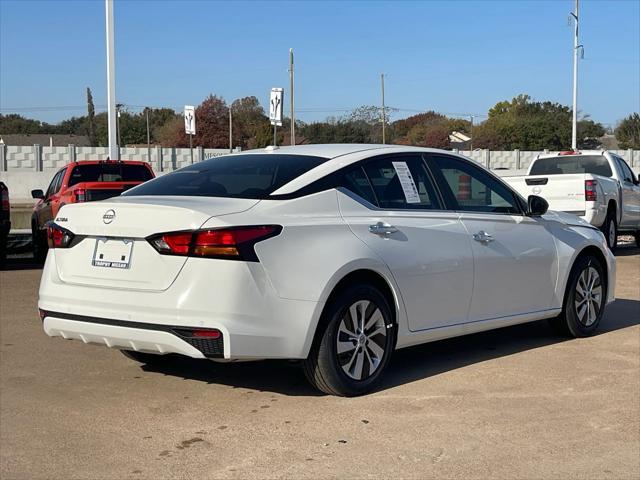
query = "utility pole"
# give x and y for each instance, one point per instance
(471, 134)
(576, 47)
(146, 111)
(114, 151)
(293, 116)
(230, 131)
(384, 119)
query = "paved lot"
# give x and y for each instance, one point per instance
(513, 403)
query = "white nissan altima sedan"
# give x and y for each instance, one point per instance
(332, 254)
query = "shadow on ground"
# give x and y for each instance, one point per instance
(407, 365)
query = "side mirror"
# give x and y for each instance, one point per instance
(37, 194)
(537, 206)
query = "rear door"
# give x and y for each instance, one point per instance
(390, 203)
(515, 267)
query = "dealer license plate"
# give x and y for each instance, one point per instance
(112, 252)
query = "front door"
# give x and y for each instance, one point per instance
(45, 211)
(390, 203)
(515, 261)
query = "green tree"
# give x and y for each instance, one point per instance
(91, 114)
(251, 127)
(14, 123)
(526, 125)
(628, 132)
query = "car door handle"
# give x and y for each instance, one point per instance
(483, 237)
(382, 228)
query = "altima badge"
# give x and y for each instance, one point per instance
(108, 216)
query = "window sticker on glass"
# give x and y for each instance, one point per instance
(406, 182)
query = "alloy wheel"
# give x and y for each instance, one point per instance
(612, 233)
(361, 340)
(588, 298)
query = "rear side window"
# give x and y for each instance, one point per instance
(401, 183)
(357, 182)
(109, 172)
(234, 176)
(593, 164)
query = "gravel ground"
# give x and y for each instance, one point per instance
(514, 403)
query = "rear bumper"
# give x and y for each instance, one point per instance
(150, 338)
(235, 298)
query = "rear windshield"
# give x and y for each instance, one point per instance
(233, 176)
(109, 172)
(593, 164)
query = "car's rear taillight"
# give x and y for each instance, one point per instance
(234, 243)
(58, 237)
(80, 194)
(590, 190)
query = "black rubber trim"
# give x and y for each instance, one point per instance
(209, 347)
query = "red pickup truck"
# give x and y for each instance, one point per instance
(84, 181)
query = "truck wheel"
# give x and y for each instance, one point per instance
(637, 235)
(39, 245)
(3, 249)
(610, 230)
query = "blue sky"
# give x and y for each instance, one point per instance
(450, 56)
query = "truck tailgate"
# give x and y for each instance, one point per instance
(563, 192)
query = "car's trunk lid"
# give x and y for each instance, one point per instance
(119, 227)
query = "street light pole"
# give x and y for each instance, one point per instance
(230, 131)
(384, 120)
(114, 151)
(576, 47)
(293, 116)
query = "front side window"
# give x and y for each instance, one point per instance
(472, 189)
(54, 186)
(593, 164)
(401, 182)
(235, 176)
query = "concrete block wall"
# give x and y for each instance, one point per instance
(20, 157)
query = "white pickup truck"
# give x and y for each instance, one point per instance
(598, 186)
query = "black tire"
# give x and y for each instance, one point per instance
(325, 367)
(147, 358)
(637, 237)
(39, 245)
(574, 321)
(610, 230)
